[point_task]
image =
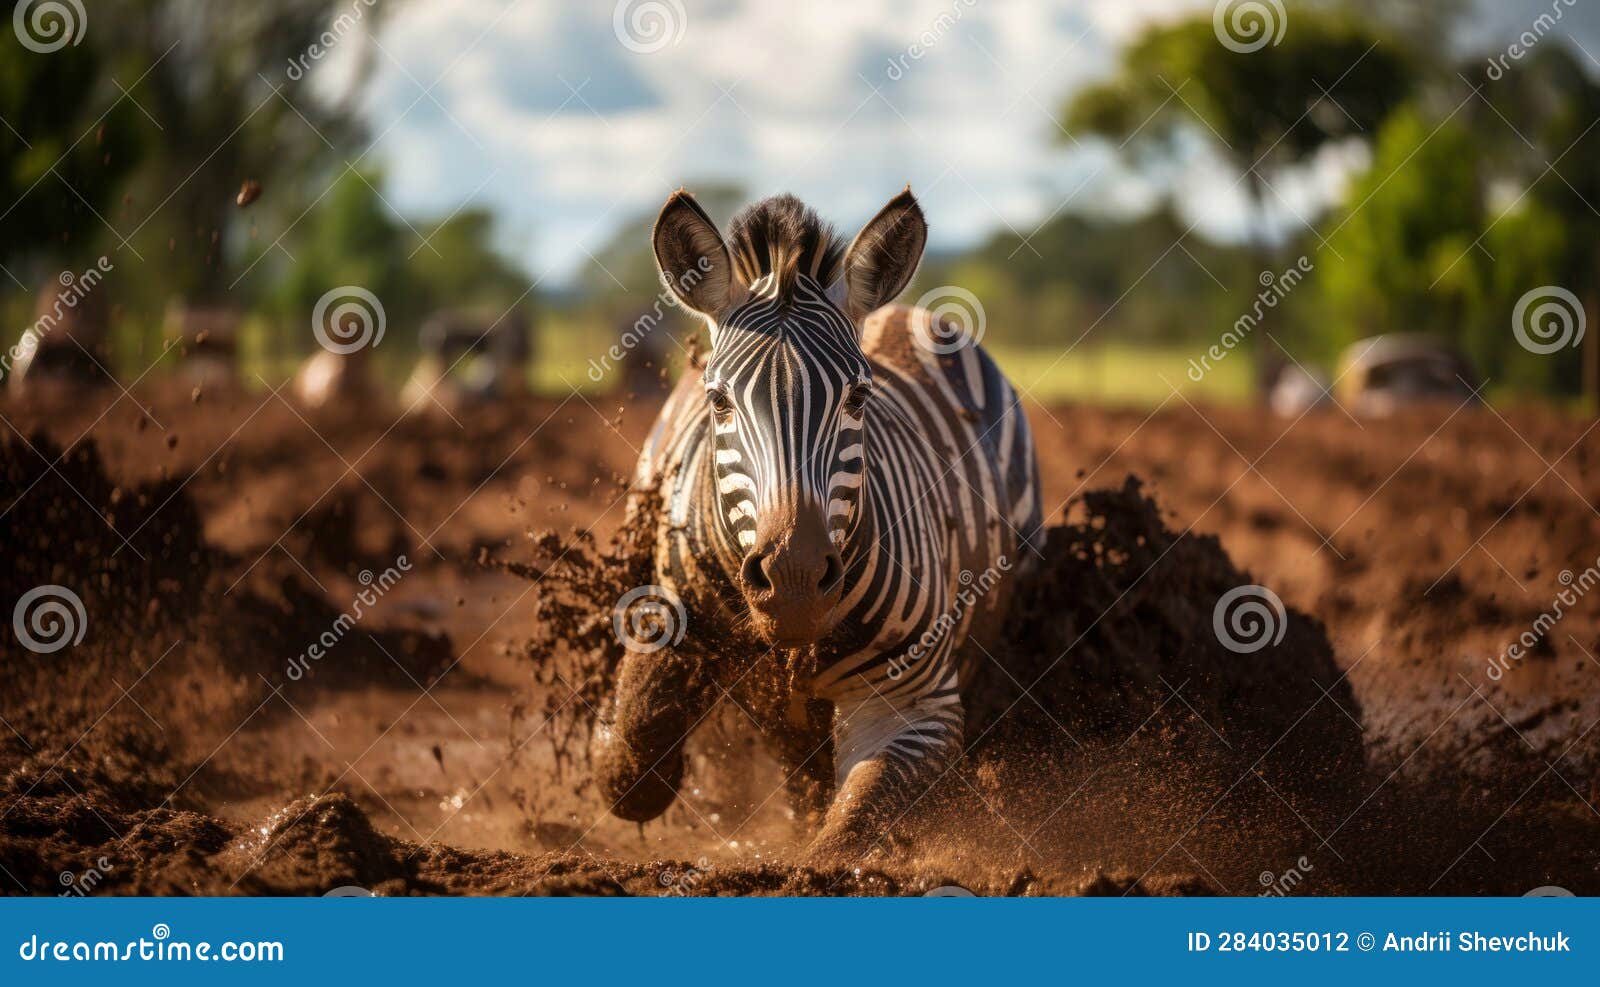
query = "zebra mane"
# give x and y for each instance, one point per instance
(784, 237)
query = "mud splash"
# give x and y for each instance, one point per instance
(1125, 753)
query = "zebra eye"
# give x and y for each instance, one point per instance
(720, 405)
(856, 401)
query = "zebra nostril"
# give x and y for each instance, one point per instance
(832, 572)
(754, 572)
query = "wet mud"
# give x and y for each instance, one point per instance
(358, 650)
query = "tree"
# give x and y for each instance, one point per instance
(1328, 77)
(1427, 245)
(208, 72)
(459, 265)
(61, 157)
(352, 237)
(1400, 256)
(1539, 117)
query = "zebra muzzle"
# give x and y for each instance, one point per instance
(793, 578)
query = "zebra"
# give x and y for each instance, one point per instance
(831, 482)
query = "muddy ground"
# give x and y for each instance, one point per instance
(186, 744)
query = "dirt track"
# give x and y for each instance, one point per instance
(173, 751)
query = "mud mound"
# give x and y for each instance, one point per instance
(148, 628)
(128, 552)
(1119, 627)
(137, 559)
(324, 841)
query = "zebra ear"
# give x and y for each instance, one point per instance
(692, 256)
(884, 256)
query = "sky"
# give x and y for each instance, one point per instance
(568, 119)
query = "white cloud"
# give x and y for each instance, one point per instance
(569, 132)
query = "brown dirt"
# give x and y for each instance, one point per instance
(1117, 747)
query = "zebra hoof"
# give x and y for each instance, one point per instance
(638, 789)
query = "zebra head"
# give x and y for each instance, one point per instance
(788, 388)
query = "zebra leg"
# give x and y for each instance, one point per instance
(889, 755)
(637, 749)
(801, 742)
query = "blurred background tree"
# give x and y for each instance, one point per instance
(1331, 78)
(81, 144)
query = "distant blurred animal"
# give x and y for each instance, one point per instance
(66, 348)
(326, 378)
(1383, 374)
(641, 370)
(468, 357)
(1296, 390)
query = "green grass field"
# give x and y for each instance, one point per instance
(1102, 373)
(1122, 374)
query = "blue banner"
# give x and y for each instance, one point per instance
(793, 941)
